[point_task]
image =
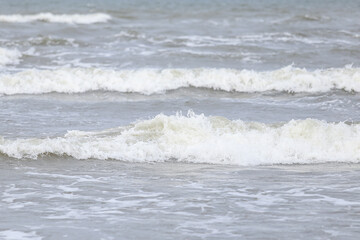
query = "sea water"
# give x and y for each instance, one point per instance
(179, 119)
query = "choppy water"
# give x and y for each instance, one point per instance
(179, 119)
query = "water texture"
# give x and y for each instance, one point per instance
(229, 119)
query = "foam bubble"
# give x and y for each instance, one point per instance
(9, 56)
(201, 139)
(57, 18)
(151, 81)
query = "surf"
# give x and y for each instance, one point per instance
(202, 139)
(9, 56)
(154, 81)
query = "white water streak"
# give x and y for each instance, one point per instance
(57, 18)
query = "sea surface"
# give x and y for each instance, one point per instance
(169, 119)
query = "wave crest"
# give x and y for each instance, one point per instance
(151, 81)
(57, 18)
(201, 139)
(9, 56)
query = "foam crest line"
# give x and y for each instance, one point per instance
(201, 139)
(151, 81)
(57, 18)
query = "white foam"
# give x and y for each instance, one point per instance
(201, 139)
(57, 18)
(150, 81)
(16, 235)
(9, 56)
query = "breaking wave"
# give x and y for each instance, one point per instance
(9, 56)
(200, 139)
(151, 81)
(57, 18)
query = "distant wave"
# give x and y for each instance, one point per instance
(210, 41)
(200, 139)
(151, 81)
(9, 56)
(57, 18)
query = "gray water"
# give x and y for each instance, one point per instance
(55, 195)
(67, 199)
(232, 34)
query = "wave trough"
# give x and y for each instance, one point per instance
(200, 139)
(152, 81)
(57, 18)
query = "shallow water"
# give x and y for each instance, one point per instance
(179, 119)
(96, 199)
(237, 34)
